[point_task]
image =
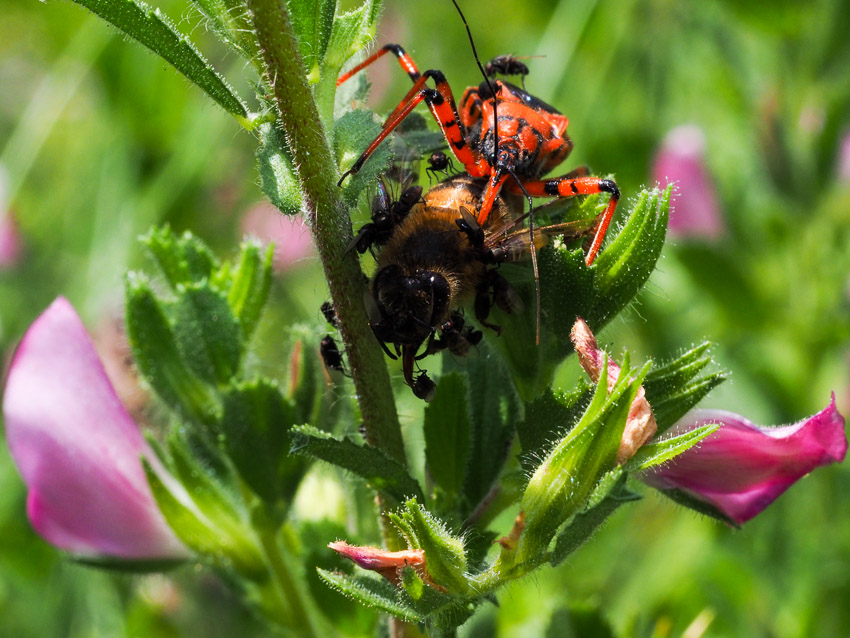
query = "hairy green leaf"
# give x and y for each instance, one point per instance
(153, 29)
(369, 463)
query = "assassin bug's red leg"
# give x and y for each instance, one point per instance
(406, 62)
(441, 102)
(567, 186)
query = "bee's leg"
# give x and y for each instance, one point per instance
(483, 303)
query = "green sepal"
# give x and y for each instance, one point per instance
(444, 552)
(278, 179)
(250, 283)
(373, 592)
(181, 260)
(207, 334)
(447, 433)
(256, 434)
(564, 481)
(158, 359)
(383, 473)
(153, 29)
(676, 387)
(581, 528)
(661, 451)
(353, 132)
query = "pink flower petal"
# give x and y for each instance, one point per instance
(681, 161)
(292, 241)
(742, 468)
(78, 450)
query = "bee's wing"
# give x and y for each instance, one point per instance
(516, 246)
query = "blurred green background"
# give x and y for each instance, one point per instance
(98, 140)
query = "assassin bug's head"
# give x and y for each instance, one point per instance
(408, 308)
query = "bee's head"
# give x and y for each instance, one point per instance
(408, 308)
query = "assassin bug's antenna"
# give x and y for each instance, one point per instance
(510, 172)
(486, 79)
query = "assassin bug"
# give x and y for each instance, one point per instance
(501, 133)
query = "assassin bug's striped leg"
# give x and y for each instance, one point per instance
(570, 186)
(440, 101)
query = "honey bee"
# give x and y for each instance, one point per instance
(438, 259)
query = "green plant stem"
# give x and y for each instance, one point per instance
(328, 220)
(291, 592)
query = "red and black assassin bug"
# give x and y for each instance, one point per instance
(500, 132)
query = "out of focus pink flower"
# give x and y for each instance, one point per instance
(79, 452)
(11, 244)
(844, 158)
(742, 468)
(695, 211)
(291, 237)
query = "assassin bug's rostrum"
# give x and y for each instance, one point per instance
(528, 140)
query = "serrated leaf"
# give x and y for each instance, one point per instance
(353, 133)
(277, 174)
(156, 354)
(250, 284)
(658, 452)
(256, 427)
(207, 334)
(447, 430)
(585, 524)
(372, 592)
(380, 471)
(150, 27)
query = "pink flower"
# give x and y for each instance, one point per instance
(78, 450)
(681, 161)
(291, 237)
(742, 468)
(387, 564)
(11, 244)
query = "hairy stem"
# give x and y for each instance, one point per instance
(328, 220)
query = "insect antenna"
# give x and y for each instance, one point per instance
(532, 249)
(486, 79)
